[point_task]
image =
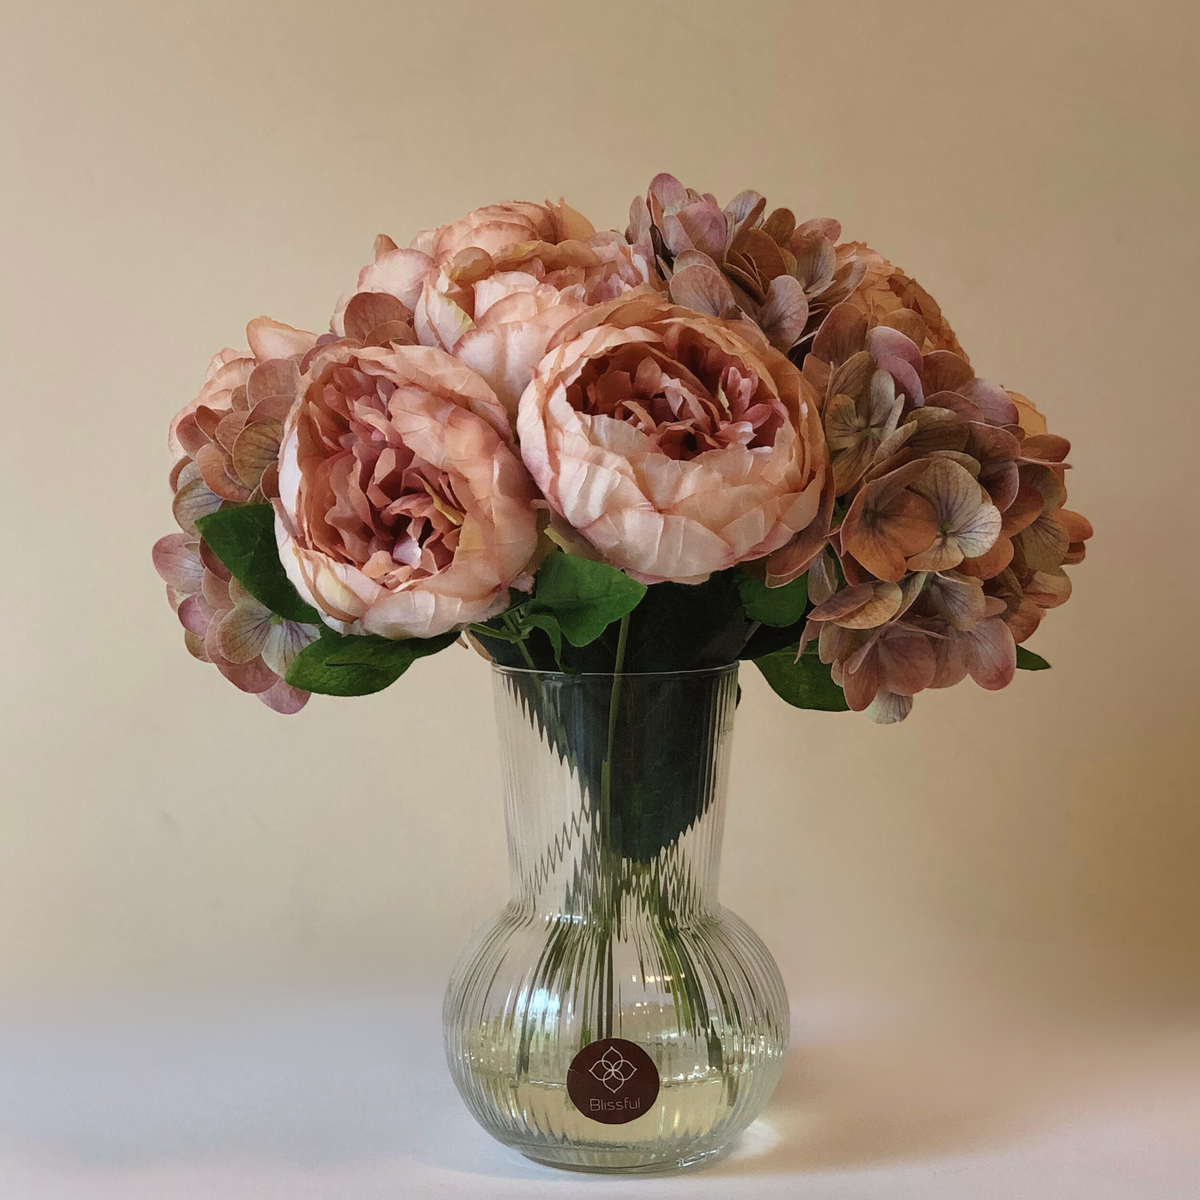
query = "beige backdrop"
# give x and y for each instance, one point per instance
(173, 169)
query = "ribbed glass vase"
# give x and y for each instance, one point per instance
(614, 1017)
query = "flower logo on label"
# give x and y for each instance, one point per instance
(613, 1070)
(613, 1080)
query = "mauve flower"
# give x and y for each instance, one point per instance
(226, 441)
(675, 443)
(955, 494)
(404, 509)
(225, 444)
(224, 625)
(781, 275)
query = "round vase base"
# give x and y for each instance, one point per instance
(625, 1161)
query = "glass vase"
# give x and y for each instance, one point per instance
(614, 1017)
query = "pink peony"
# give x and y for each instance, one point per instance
(495, 287)
(676, 444)
(404, 509)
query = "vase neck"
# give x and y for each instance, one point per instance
(615, 789)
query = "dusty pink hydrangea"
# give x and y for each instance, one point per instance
(954, 533)
(226, 626)
(225, 446)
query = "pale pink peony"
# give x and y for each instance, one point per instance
(495, 287)
(404, 509)
(499, 315)
(675, 443)
(497, 228)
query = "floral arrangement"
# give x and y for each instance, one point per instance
(721, 435)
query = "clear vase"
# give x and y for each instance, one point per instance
(614, 1017)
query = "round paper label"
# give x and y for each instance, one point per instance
(612, 1081)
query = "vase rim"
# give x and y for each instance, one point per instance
(696, 672)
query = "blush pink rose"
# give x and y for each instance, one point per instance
(404, 509)
(495, 287)
(675, 443)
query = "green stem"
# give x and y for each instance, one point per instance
(609, 857)
(520, 641)
(614, 706)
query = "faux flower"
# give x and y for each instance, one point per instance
(226, 441)
(495, 287)
(887, 296)
(676, 444)
(737, 261)
(497, 228)
(225, 444)
(954, 534)
(404, 509)
(226, 626)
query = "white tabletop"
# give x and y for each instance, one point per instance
(349, 1099)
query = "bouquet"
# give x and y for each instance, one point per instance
(723, 434)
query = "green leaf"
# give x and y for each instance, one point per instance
(1028, 661)
(342, 665)
(243, 538)
(778, 606)
(549, 625)
(584, 597)
(803, 684)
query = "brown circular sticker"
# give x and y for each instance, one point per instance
(612, 1081)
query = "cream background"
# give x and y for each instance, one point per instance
(171, 170)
